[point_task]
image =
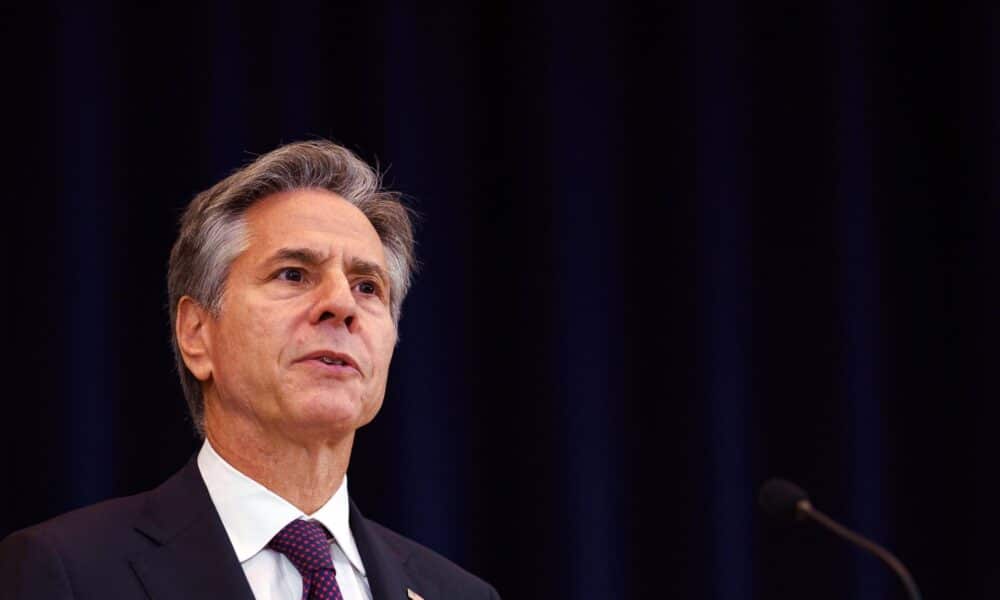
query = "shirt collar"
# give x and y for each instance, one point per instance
(252, 514)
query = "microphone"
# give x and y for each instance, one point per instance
(784, 499)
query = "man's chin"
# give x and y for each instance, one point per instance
(335, 415)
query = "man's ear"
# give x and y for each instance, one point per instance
(193, 337)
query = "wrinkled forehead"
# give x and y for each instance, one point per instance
(316, 219)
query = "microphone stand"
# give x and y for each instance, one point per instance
(804, 509)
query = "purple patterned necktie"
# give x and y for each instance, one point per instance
(305, 544)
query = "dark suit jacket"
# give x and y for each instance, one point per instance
(169, 544)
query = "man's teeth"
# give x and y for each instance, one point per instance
(331, 361)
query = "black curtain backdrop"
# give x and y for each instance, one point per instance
(670, 249)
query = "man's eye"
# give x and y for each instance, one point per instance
(367, 287)
(291, 274)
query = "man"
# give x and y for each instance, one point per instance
(285, 284)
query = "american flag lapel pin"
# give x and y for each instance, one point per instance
(413, 595)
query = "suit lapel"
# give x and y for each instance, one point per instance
(383, 565)
(192, 558)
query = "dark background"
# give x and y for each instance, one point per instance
(670, 249)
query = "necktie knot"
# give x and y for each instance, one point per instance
(305, 544)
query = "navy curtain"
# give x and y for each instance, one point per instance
(670, 249)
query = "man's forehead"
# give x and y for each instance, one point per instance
(316, 221)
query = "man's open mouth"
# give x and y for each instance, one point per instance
(326, 360)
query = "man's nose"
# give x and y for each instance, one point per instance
(335, 302)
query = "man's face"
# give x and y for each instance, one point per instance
(304, 339)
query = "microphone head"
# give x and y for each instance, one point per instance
(781, 498)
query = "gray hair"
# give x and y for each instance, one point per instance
(213, 230)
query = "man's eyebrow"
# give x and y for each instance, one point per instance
(367, 267)
(306, 256)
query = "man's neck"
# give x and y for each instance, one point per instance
(306, 474)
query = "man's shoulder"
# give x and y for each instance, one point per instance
(407, 549)
(82, 545)
(99, 523)
(430, 570)
(126, 520)
(115, 548)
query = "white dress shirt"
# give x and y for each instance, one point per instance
(253, 514)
